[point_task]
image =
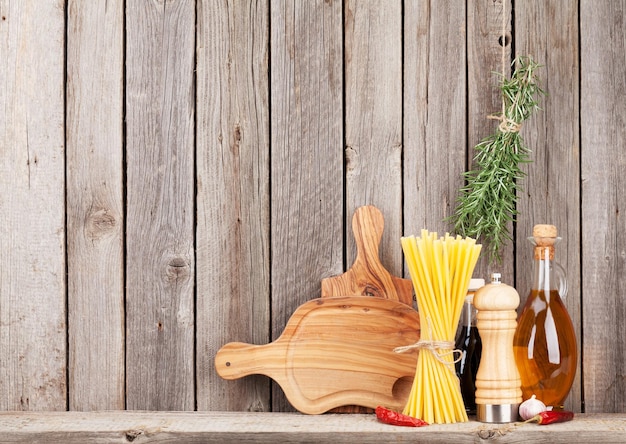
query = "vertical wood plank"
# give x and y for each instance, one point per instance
(548, 31)
(484, 58)
(95, 240)
(401, 150)
(434, 112)
(160, 205)
(373, 120)
(233, 251)
(603, 137)
(32, 206)
(307, 158)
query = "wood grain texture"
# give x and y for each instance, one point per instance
(270, 428)
(276, 180)
(549, 33)
(335, 352)
(233, 251)
(434, 113)
(484, 59)
(160, 205)
(95, 213)
(602, 112)
(32, 206)
(367, 276)
(498, 379)
(373, 119)
(307, 159)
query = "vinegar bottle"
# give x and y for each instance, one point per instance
(545, 341)
(469, 344)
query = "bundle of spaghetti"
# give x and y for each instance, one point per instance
(441, 269)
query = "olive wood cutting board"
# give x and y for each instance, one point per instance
(336, 352)
(368, 276)
(333, 352)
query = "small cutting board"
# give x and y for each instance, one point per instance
(367, 276)
(333, 352)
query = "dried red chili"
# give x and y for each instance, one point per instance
(395, 418)
(552, 416)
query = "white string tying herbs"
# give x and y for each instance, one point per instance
(506, 125)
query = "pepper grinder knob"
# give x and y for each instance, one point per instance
(498, 383)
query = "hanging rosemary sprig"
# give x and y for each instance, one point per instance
(488, 200)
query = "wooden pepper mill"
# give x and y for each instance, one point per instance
(498, 384)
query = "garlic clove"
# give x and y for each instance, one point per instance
(531, 407)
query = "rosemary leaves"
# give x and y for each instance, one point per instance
(488, 201)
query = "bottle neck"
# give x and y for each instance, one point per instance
(544, 279)
(542, 250)
(468, 315)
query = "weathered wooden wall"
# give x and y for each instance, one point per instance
(180, 174)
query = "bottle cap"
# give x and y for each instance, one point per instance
(475, 284)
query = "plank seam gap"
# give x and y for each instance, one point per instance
(65, 241)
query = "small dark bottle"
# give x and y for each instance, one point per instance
(469, 344)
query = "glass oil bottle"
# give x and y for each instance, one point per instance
(545, 341)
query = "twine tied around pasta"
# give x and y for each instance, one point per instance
(435, 347)
(439, 349)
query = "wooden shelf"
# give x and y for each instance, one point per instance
(240, 427)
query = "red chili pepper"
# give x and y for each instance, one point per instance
(395, 418)
(552, 416)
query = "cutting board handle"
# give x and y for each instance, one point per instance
(237, 359)
(368, 276)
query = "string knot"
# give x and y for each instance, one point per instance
(506, 125)
(435, 347)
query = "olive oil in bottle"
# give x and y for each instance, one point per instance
(545, 341)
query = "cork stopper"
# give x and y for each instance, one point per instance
(542, 230)
(545, 237)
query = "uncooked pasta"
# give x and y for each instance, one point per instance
(441, 269)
